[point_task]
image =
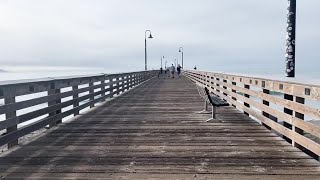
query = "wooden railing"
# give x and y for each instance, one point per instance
(58, 98)
(270, 102)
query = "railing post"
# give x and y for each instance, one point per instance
(91, 91)
(121, 88)
(103, 87)
(117, 85)
(140, 78)
(128, 82)
(208, 80)
(300, 116)
(9, 100)
(225, 87)
(266, 91)
(53, 91)
(137, 79)
(234, 91)
(75, 95)
(247, 96)
(290, 112)
(217, 84)
(111, 86)
(133, 80)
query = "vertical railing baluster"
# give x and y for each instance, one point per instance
(54, 90)
(140, 78)
(266, 103)
(234, 91)
(133, 80)
(117, 85)
(103, 87)
(247, 96)
(111, 86)
(75, 96)
(217, 84)
(225, 87)
(11, 114)
(300, 116)
(290, 112)
(91, 92)
(128, 81)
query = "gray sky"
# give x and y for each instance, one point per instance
(217, 35)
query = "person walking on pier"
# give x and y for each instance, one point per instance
(172, 70)
(178, 70)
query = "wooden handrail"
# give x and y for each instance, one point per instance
(99, 87)
(240, 91)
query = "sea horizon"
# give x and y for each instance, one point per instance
(306, 75)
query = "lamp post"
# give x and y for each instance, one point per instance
(145, 48)
(291, 39)
(161, 60)
(181, 50)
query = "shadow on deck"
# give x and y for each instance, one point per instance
(153, 132)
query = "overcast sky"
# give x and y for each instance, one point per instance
(217, 35)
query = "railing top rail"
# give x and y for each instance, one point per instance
(297, 81)
(26, 81)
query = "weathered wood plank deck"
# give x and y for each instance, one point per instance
(153, 132)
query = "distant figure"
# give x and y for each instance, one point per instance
(165, 70)
(161, 70)
(168, 70)
(195, 68)
(172, 70)
(178, 70)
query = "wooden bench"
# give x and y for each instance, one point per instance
(212, 99)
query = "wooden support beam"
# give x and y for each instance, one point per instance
(247, 96)
(52, 91)
(11, 129)
(265, 114)
(75, 96)
(234, 91)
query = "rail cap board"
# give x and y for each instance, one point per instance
(297, 81)
(27, 81)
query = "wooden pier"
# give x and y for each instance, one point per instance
(153, 132)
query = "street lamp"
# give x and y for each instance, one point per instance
(161, 60)
(181, 50)
(145, 48)
(291, 39)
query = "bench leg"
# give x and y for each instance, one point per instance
(214, 112)
(205, 111)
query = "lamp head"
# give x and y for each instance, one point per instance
(150, 37)
(179, 50)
